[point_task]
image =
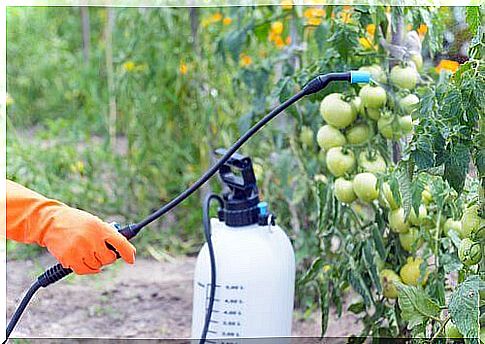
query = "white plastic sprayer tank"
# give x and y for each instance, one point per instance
(255, 284)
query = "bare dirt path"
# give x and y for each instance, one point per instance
(149, 300)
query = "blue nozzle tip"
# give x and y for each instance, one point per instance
(263, 208)
(358, 76)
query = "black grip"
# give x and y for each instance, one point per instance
(53, 274)
(58, 272)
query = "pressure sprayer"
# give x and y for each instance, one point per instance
(245, 272)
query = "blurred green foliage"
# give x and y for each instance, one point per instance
(174, 104)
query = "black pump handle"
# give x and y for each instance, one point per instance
(240, 163)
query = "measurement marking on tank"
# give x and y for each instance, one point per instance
(214, 321)
(233, 301)
(212, 332)
(232, 312)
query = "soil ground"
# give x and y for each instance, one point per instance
(151, 299)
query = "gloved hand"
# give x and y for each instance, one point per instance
(76, 238)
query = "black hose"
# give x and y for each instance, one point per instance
(21, 308)
(212, 258)
(130, 231)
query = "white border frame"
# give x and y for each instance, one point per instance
(135, 3)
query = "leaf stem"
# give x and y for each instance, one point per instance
(442, 327)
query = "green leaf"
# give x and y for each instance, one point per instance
(357, 308)
(423, 154)
(324, 304)
(456, 166)
(370, 264)
(311, 273)
(358, 283)
(405, 186)
(463, 307)
(473, 18)
(379, 242)
(416, 306)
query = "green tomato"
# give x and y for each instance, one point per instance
(337, 112)
(340, 162)
(373, 96)
(344, 190)
(451, 331)
(376, 72)
(329, 137)
(417, 59)
(418, 220)
(365, 187)
(406, 124)
(452, 224)
(385, 125)
(373, 164)
(411, 272)
(306, 136)
(374, 114)
(471, 221)
(391, 202)
(357, 105)
(388, 279)
(469, 252)
(404, 77)
(409, 103)
(426, 196)
(359, 133)
(410, 239)
(397, 221)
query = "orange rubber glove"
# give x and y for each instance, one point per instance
(76, 238)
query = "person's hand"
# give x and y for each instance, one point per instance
(76, 238)
(80, 241)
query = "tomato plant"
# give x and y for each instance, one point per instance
(378, 203)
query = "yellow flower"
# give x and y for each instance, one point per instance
(279, 42)
(422, 30)
(326, 268)
(313, 13)
(286, 4)
(371, 29)
(449, 65)
(227, 21)
(347, 8)
(78, 166)
(217, 17)
(277, 27)
(288, 40)
(129, 66)
(365, 43)
(245, 60)
(183, 68)
(9, 100)
(314, 21)
(409, 27)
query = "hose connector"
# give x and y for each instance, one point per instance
(359, 77)
(321, 81)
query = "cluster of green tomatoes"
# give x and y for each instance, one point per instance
(352, 122)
